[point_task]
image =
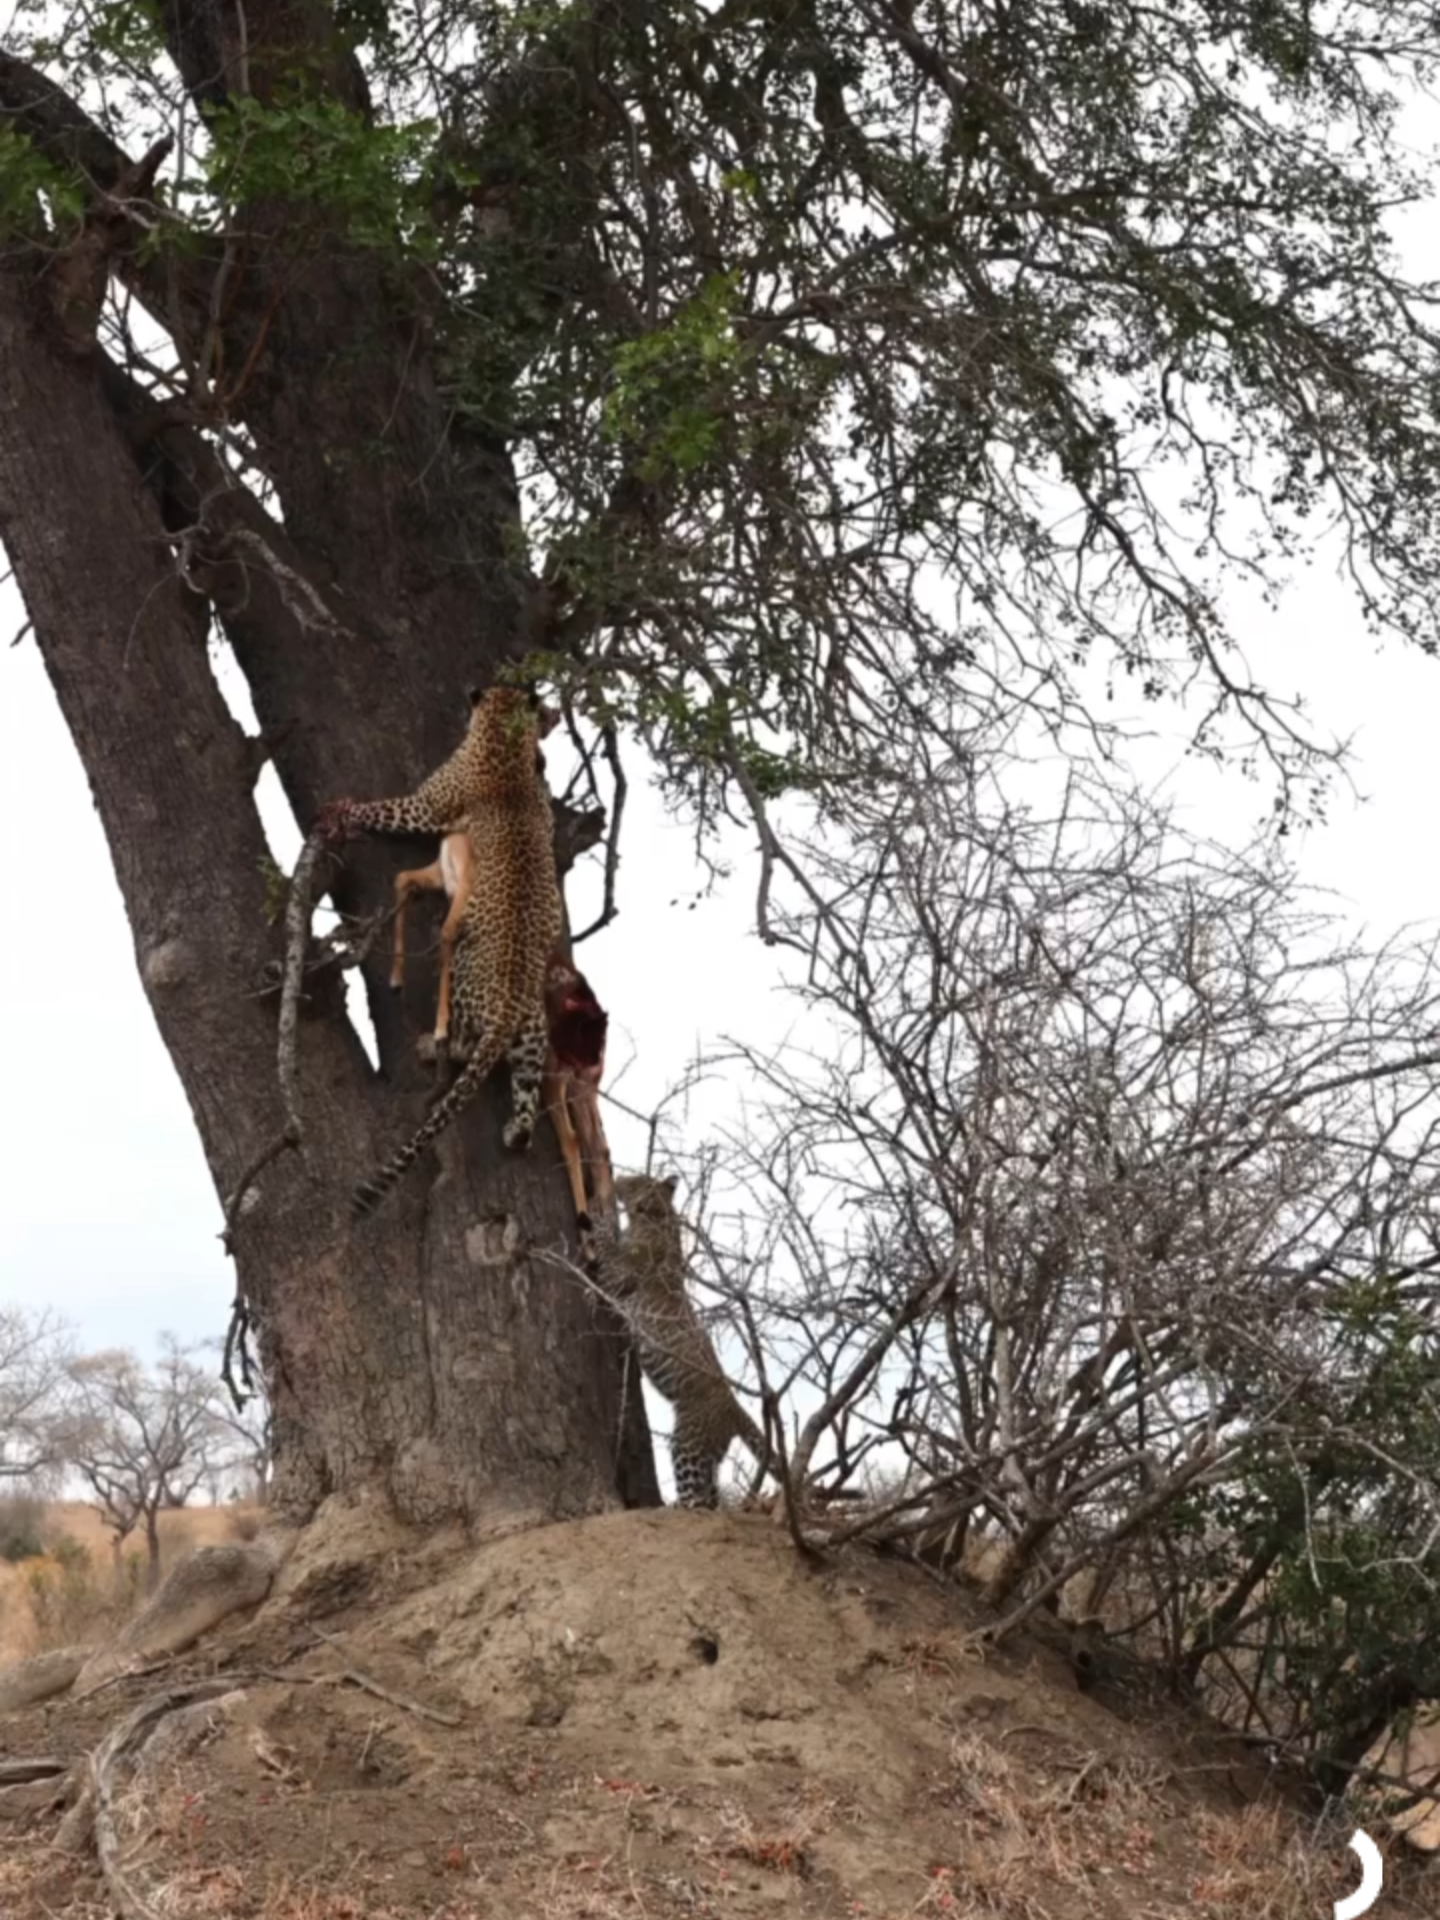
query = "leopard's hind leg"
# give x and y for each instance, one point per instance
(695, 1459)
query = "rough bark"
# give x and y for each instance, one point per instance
(434, 1357)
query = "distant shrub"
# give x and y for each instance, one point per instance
(64, 1601)
(73, 1598)
(21, 1528)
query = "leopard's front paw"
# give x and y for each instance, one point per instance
(334, 823)
(587, 1245)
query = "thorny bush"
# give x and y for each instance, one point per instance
(1090, 1220)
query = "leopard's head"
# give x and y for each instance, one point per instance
(646, 1198)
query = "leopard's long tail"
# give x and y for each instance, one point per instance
(370, 1192)
(750, 1436)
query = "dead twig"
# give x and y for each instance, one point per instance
(270, 1151)
(401, 1700)
(780, 1465)
(620, 788)
(129, 1673)
(769, 1400)
(298, 910)
(301, 598)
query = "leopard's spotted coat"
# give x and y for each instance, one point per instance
(643, 1273)
(491, 789)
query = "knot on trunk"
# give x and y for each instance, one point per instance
(493, 1242)
(170, 964)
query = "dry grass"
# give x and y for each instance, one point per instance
(1259, 1867)
(987, 1886)
(1036, 1851)
(77, 1590)
(777, 1846)
(182, 1529)
(215, 1891)
(987, 1786)
(34, 1881)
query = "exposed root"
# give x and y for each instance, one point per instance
(23, 1804)
(29, 1681)
(161, 1728)
(124, 1674)
(32, 1786)
(12, 1772)
(76, 1832)
(200, 1593)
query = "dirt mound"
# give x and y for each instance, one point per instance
(659, 1714)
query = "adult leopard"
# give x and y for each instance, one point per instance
(490, 790)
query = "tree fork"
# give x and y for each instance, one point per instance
(434, 1359)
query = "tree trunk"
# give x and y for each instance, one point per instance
(152, 1550)
(439, 1356)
